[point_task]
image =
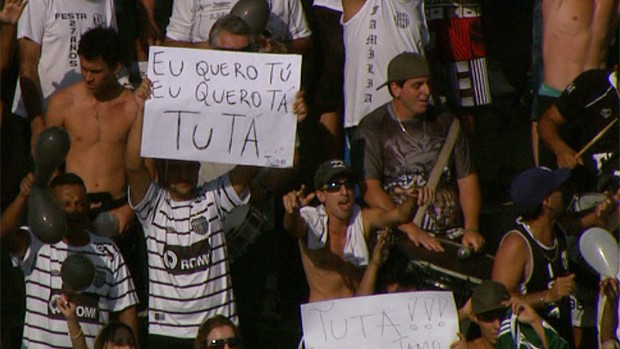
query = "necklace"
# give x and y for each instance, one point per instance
(402, 127)
(546, 251)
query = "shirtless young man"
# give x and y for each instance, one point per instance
(333, 237)
(576, 37)
(98, 112)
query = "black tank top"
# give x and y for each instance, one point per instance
(547, 264)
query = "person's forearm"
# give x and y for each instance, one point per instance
(8, 44)
(369, 280)
(78, 341)
(548, 132)
(609, 321)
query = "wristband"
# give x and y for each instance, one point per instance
(475, 230)
(80, 334)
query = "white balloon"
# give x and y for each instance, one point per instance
(599, 248)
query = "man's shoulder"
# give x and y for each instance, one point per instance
(76, 92)
(375, 117)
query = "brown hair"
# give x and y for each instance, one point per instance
(210, 324)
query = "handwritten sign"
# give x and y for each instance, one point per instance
(414, 320)
(221, 106)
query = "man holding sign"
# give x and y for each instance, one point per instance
(189, 275)
(333, 236)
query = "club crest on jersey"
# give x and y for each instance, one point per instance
(200, 225)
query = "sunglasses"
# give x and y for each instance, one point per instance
(334, 187)
(232, 342)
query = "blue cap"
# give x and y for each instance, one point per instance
(532, 186)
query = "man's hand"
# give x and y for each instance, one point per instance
(609, 288)
(26, 184)
(143, 92)
(420, 237)
(294, 200)
(423, 195)
(524, 311)
(567, 157)
(473, 240)
(300, 109)
(12, 10)
(66, 307)
(382, 249)
(562, 287)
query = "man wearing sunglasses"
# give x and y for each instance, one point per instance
(333, 237)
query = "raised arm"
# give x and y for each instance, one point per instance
(29, 54)
(16, 240)
(9, 15)
(293, 222)
(379, 255)
(377, 218)
(375, 196)
(138, 176)
(67, 308)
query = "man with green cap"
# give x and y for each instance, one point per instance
(521, 327)
(396, 146)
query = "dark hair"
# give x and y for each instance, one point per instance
(231, 24)
(106, 333)
(103, 43)
(399, 83)
(67, 179)
(210, 324)
(533, 213)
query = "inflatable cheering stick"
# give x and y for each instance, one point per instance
(77, 272)
(254, 13)
(45, 218)
(51, 149)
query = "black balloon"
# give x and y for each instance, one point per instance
(77, 272)
(45, 218)
(253, 12)
(51, 149)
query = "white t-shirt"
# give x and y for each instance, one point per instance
(111, 291)
(189, 278)
(192, 20)
(335, 5)
(57, 25)
(377, 33)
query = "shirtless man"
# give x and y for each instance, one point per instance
(576, 38)
(98, 112)
(333, 236)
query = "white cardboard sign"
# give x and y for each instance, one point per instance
(413, 320)
(221, 106)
